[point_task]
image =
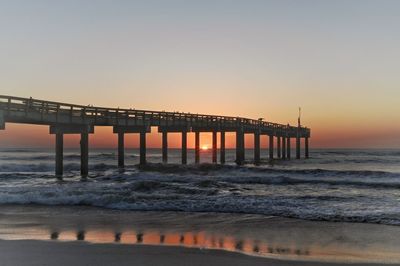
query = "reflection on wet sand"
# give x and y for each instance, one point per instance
(80, 235)
(256, 249)
(249, 234)
(54, 235)
(186, 239)
(139, 238)
(117, 237)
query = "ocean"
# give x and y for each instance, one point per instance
(343, 185)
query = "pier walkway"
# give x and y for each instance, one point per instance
(64, 118)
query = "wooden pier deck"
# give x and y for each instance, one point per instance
(64, 118)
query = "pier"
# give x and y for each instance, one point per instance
(64, 118)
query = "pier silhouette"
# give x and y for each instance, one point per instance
(64, 118)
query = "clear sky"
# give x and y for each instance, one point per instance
(338, 60)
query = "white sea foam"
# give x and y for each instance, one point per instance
(314, 190)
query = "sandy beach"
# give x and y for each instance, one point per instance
(41, 253)
(79, 235)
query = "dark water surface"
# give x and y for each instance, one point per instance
(333, 185)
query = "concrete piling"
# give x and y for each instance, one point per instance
(271, 147)
(84, 154)
(239, 146)
(256, 147)
(142, 160)
(60, 130)
(283, 148)
(278, 146)
(197, 147)
(59, 153)
(214, 146)
(306, 152)
(297, 146)
(222, 148)
(165, 146)
(184, 147)
(121, 150)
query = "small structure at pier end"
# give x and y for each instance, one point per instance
(63, 118)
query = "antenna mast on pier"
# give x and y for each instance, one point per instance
(298, 120)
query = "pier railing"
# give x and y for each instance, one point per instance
(120, 116)
(64, 118)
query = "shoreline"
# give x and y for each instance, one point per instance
(252, 236)
(122, 210)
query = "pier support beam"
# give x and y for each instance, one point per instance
(84, 130)
(121, 150)
(165, 146)
(278, 148)
(239, 146)
(283, 148)
(306, 148)
(197, 147)
(222, 148)
(214, 146)
(184, 147)
(142, 130)
(243, 149)
(59, 154)
(297, 146)
(288, 147)
(178, 129)
(84, 154)
(271, 147)
(142, 148)
(256, 147)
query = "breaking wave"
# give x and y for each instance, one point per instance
(340, 191)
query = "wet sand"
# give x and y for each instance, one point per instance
(42, 253)
(64, 235)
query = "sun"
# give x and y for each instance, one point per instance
(204, 147)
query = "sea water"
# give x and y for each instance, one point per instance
(333, 185)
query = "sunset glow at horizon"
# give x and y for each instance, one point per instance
(254, 59)
(205, 148)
